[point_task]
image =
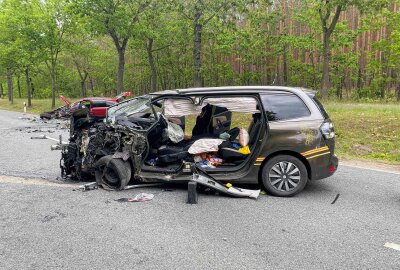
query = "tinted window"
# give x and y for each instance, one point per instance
(110, 103)
(280, 107)
(99, 103)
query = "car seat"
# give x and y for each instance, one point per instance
(230, 154)
(213, 120)
(254, 129)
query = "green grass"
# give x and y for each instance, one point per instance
(370, 132)
(364, 131)
(38, 105)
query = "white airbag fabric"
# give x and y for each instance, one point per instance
(204, 146)
(181, 107)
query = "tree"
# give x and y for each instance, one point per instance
(329, 13)
(29, 40)
(81, 49)
(325, 10)
(200, 13)
(9, 49)
(116, 19)
(54, 22)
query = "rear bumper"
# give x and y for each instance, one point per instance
(324, 168)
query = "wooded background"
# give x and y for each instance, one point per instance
(345, 49)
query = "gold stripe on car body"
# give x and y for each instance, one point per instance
(307, 153)
(257, 164)
(326, 153)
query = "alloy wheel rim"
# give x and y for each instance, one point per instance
(284, 176)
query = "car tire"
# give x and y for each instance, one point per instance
(284, 176)
(112, 173)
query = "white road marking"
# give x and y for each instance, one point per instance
(392, 245)
(35, 182)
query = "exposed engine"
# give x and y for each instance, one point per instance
(90, 140)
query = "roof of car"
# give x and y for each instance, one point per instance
(98, 99)
(233, 90)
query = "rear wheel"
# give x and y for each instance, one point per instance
(284, 176)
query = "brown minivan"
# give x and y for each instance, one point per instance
(279, 137)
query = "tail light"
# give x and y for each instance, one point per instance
(327, 130)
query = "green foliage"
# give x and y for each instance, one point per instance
(243, 43)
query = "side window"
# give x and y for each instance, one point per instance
(98, 104)
(280, 107)
(109, 103)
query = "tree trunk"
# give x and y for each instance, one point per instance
(197, 78)
(121, 67)
(28, 87)
(152, 65)
(19, 86)
(83, 74)
(10, 86)
(398, 91)
(327, 31)
(359, 81)
(53, 85)
(325, 84)
(83, 88)
(285, 65)
(339, 89)
(1, 90)
(383, 89)
(91, 85)
(32, 88)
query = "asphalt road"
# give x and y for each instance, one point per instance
(22, 156)
(44, 224)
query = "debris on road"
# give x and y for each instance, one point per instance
(143, 185)
(336, 197)
(141, 197)
(392, 246)
(230, 190)
(44, 137)
(87, 187)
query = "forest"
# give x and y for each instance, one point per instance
(345, 49)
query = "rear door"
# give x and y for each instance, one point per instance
(293, 126)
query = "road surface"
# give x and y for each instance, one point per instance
(44, 224)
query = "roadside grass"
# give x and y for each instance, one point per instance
(363, 131)
(38, 105)
(366, 131)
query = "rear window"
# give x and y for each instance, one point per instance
(320, 107)
(279, 107)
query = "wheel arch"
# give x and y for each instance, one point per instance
(285, 152)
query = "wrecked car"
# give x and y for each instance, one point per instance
(97, 106)
(278, 137)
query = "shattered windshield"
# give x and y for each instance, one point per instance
(138, 107)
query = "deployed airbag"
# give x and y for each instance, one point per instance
(204, 146)
(181, 107)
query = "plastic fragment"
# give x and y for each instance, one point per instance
(141, 197)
